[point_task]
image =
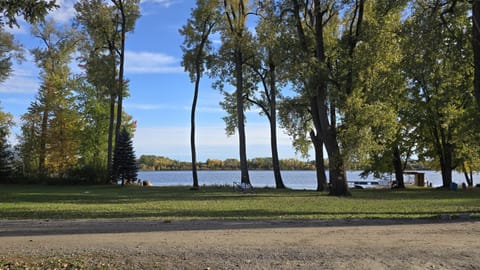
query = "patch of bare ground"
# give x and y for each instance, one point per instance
(213, 244)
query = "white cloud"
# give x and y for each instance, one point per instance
(164, 3)
(65, 12)
(16, 30)
(67, 8)
(216, 109)
(159, 139)
(22, 81)
(150, 63)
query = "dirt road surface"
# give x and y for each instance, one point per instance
(217, 244)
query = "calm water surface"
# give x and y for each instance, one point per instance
(292, 179)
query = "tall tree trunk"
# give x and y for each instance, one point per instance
(121, 71)
(319, 100)
(198, 75)
(273, 127)
(446, 164)
(470, 183)
(110, 139)
(43, 143)
(319, 164)
(476, 48)
(111, 123)
(398, 166)
(192, 127)
(338, 176)
(468, 176)
(275, 160)
(118, 124)
(446, 175)
(241, 116)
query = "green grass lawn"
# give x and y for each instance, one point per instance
(174, 203)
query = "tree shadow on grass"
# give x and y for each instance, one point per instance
(98, 222)
(117, 194)
(417, 193)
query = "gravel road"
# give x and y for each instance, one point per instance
(261, 244)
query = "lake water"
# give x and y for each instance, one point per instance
(292, 179)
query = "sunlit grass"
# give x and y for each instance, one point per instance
(174, 203)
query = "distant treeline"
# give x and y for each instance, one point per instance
(159, 163)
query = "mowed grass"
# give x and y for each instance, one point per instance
(175, 203)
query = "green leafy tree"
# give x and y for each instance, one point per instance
(10, 10)
(267, 67)
(9, 50)
(296, 119)
(6, 155)
(30, 10)
(103, 52)
(476, 48)
(98, 48)
(230, 68)
(93, 105)
(195, 55)
(316, 27)
(372, 131)
(124, 161)
(439, 68)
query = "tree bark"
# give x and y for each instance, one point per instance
(446, 176)
(318, 100)
(275, 160)
(476, 48)
(468, 176)
(235, 14)
(319, 165)
(121, 71)
(192, 124)
(446, 164)
(207, 27)
(43, 143)
(338, 176)
(273, 128)
(111, 125)
(398, 166)
(240, 116)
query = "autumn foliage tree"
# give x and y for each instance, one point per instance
(52, 121)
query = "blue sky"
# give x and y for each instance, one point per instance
(160, 92)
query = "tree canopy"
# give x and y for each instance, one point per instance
(365, 84)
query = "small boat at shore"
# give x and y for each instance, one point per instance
(365, 184)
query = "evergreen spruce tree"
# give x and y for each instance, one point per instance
(124, 161)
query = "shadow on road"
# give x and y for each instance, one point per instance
(72, 227)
